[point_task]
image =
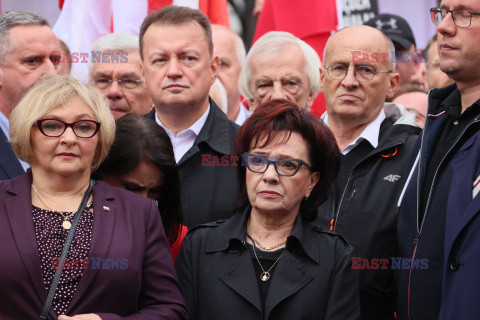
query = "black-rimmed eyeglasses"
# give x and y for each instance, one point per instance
(461, 17)
(55, 127)
(104, 83)
(284, 167)
(338, 71)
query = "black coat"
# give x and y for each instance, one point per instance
(209, 186)
(10, 167)
(420, 289)
(366, 215)
(312, 280)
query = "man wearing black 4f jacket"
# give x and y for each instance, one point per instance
(376, 140)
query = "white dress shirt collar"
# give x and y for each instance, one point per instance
(185, 139)
(371, 133)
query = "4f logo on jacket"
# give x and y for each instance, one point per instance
(392, 177)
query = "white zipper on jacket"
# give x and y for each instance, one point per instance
(402, 194)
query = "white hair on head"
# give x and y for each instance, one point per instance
(270, 45)
(114, 42)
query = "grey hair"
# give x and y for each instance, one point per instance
(391, 47)
(11, 19)
(114, 42)
(270, 45)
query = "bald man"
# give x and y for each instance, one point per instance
(416, 102)
(376, 139)
(229, 48)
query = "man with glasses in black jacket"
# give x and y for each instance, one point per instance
(376, 139)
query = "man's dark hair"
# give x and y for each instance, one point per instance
(176, 15)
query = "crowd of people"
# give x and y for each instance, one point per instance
(189, 180)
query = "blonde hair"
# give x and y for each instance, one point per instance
(45, 96)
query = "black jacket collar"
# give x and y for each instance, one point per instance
(437, 98)
(215, 132)
(232, 234)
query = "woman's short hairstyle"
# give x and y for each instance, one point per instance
(277, 119)
(140, 139)
(48, 94)
(271, 45)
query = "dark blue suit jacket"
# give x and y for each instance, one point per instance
(125, 226)
(461, 279)
(10, 167)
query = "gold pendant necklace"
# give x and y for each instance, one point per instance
(265, 275)
(65, 224)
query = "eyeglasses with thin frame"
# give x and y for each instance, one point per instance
(284, 167)
(104, 83)
(56, 127)
(338, 71)
(461, 18)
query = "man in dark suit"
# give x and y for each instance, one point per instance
(29, 50)
(438, 221)
(179, 68)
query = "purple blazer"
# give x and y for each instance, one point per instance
(125, 226)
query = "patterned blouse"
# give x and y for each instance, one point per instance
(51, 237)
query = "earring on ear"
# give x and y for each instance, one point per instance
(306, 197)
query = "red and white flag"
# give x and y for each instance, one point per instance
(81, 22)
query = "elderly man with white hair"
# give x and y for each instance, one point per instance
(115, 69)
(280, 65)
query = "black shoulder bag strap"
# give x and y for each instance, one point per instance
(66, 248)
